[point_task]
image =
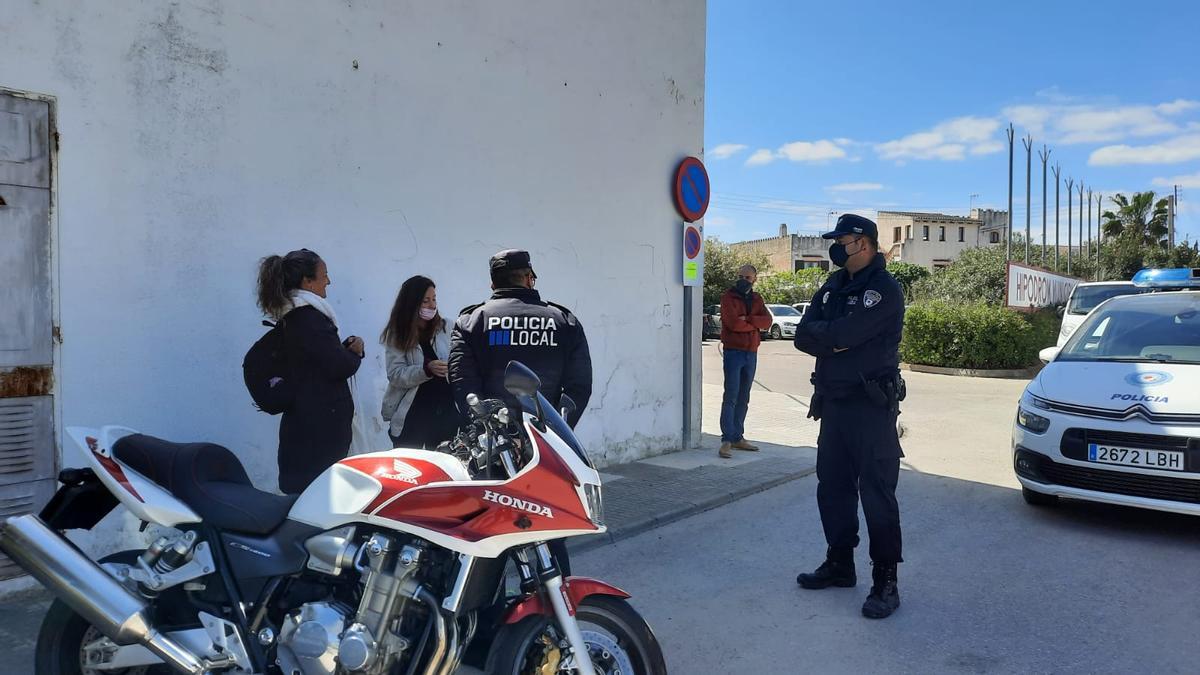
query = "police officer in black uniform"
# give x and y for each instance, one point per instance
(517, 325)
(853, 327)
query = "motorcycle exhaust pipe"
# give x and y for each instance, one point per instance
(99, 598)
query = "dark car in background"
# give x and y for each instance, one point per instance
(712, 322)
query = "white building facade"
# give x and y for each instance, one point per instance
(934, 240)
(180, 143)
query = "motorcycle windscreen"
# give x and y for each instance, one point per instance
(550, 417)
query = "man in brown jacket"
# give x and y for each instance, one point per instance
(743, 316)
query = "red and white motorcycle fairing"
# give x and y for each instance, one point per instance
(431, 495)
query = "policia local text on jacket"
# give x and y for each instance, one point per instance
(517, 325)
(853, 326)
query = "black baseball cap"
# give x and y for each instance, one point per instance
(849, 223)
(511, 259)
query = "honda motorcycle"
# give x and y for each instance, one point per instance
(388, 563)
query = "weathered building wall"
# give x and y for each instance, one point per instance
(392, 138)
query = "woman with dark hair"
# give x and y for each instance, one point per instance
(418, 403)
(315, 432)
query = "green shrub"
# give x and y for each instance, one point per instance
(938, 333)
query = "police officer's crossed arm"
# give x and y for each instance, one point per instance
(881, 306)
(805, 339)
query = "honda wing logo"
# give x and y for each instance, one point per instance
(403, 472)
(513, 502)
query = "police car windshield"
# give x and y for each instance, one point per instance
(1086, 298)
(784, 310)
(1153, 328)
(558, 425)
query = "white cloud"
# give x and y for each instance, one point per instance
(855, 187)
(760, 157)
(1189, 181)
(815, 151)
(1096, 123)
(726, 150)
(804, 151)
(948, 141)
(1173, 151)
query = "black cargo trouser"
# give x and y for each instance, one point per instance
(858, 456)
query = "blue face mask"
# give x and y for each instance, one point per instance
(742, 286)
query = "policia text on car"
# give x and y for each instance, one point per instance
(853, 328)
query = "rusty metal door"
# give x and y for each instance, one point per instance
(28, 452)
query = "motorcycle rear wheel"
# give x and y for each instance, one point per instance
(618, 638)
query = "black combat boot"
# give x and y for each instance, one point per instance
(885, 597)
(837, 570)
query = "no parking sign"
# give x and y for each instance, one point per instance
(691, 199)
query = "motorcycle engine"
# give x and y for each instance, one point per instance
(308, 639)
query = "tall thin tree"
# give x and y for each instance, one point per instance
(1008, 246)
(1057, 211)
(1070, 208)
(1044, 155)
(1028, 143)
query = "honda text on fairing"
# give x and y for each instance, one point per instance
(387, 563)
(1115, 414)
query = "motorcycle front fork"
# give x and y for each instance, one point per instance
(550, 578)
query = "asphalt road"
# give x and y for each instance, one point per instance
(990, 585)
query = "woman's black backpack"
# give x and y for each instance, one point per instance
(267, 374)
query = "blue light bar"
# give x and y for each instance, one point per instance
(1182, 277)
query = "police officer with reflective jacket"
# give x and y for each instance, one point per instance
(517, 325)
(853, 327)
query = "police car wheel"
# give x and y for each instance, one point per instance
(776, 332)
(1035, 498)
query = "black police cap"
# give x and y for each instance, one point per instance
(511, 259)
(849, 223)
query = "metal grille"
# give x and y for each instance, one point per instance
(1121, 482)
(1140, 440)
(26, 440)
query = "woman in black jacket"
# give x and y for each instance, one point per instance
(314, 432)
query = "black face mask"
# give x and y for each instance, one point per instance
(742, 286)
(838, 255)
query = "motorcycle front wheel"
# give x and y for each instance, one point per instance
(619, 642)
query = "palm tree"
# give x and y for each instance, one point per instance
(1140, 217)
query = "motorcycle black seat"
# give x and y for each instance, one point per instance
(208, 478)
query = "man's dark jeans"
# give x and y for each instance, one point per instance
(739, 377)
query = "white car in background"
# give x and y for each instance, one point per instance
(1115, 415)
(783, 322)
(1085, 297)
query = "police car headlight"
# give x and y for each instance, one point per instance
(595, 504)
(1035, 423)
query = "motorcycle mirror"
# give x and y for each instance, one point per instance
(519, 380)
(567, 406)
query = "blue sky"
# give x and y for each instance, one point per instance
(859, 106)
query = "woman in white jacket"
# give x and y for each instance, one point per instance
(418, 404)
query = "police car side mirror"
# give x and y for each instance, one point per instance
(1047, 355)
(1060, 310)
(567, 406)
(519, 380)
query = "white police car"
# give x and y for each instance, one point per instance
(1115, 415)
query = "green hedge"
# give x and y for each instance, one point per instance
(951, 335)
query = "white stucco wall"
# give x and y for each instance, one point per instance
(393, 139)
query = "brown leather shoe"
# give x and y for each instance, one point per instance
(726, 451)
(745, 445)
